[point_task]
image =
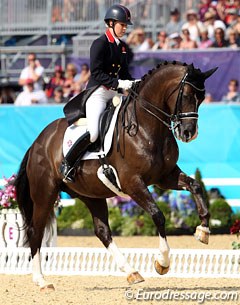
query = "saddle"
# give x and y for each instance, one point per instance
(75, 109)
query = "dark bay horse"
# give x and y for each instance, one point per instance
(163, 105)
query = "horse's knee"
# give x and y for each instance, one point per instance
(104, 234)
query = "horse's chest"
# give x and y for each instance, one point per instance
(170, 151)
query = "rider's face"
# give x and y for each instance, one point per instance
(120, 28)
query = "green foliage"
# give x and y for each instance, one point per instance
(78, 213)
(235, 217)
(222, 211)
(235, 245)
(192, 221)
(129, 227)
(115, 219)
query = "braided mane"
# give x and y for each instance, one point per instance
(154, 70)
(194, 75)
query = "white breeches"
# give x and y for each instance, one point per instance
(95, 105)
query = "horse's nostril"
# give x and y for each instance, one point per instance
(187, 135)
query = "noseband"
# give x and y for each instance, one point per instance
(175, 119)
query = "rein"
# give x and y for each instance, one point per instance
(130, 122)
(175, 119)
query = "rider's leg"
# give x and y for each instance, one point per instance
(75, 153)
(94, 107)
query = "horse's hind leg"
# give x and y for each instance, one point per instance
(139, 193)
(43, 204)
(178, 180)
(99, 211)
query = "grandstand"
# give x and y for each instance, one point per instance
(55, 28)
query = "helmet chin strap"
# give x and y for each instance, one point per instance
(113, 27)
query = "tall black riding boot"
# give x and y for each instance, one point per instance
(75, 153)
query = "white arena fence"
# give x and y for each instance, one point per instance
(185, 263)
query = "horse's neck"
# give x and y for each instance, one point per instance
(156, 91)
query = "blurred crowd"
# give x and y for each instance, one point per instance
(216, 24)
(39, 89)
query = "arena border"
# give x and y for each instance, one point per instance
(185, 263)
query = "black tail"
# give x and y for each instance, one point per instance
(23, 195)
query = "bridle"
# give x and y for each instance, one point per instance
(177, 116)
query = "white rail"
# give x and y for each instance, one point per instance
(185, 263)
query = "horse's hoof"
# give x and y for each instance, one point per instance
(135, 278)
(202, 234)
(47, 288)
(160, 269)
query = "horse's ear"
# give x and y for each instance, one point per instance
(208, 73)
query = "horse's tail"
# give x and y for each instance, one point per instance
(24, 200)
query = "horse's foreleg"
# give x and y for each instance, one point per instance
(180, 181)
(139, 192)
(99, 211)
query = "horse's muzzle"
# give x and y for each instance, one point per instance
(186, 133)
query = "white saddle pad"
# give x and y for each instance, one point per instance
(73, 132)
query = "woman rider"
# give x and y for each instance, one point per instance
(109, 70)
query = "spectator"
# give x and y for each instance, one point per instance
(205, 42)
(236, 27)
(193, 25)
(221, 9)
(162, 41)
(211, 23)
(232, 16)
(203, 8)
(174, 41)
(58, 97)
(68, 10)
(138, 41)
(220, 41)
(83, 79)
(56, 14)
(56, 81)
(187, 42)
(69, 87)
(30, 95)
(233, 40)
(232, 95)
(33, 71)
(175, 24)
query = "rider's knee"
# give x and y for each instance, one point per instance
(93, 137)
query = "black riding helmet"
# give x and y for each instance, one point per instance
(119, 13)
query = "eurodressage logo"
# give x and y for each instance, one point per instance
(169, 295)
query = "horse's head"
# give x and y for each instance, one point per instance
(172, 94)
(190, 94)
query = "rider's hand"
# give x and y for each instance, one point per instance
(125, 84)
